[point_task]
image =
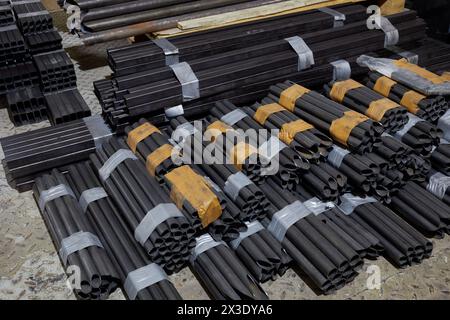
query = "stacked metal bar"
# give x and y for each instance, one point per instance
(6, 13)
(56, 71)
(74, 238)
(66, 106)
(19, 75)
(140, 279)
(12, 45)
(345, 126)
(165, 232)
(31, 154)
(222, 274)
(357, 97)
(212, 209)
(26, 105)
(427, 108)
(31, 16)
(44, 41)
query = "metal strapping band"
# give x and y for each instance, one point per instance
(234, 117)
(341, 70)
(33, 14)
(91, 195)
(349, 202)
(408, 55)
(114, 161)
(235, 183)
(438, 184)
(170, 51)
(76, 242)
(316, 206)
(339, 18)
(337, 155)
(173, 112)
(142, 278)
(413, 120)
(99, 130)
(204, 243)
(271, 148)
(285, 218)
(305, 55)
(189, 83)
(252, 228)
(392, 35)
(54, 193)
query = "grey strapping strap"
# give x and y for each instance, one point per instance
(142, 278)
(413, 120)
(408, 55)
(233, 117)
(212, 184)
(153, 219)
(54, 193)
(170, 51)
(285, 218)
(336, 156)
(444, 124)
(341, 70)
(235, 183)
(33, 14)
(91, 195)
(76, 242)
(186, 129)
(114, 161)
(305, 55)
(316, 206)
(188, 80)
(9, 28)
(271, 148)
(339, 18)
(438, 184)
(204, 243)
(99, 130)
(392, 36)
(173, 112)
(350, 202)
(252, 228)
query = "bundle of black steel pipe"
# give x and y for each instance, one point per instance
(422, 210)
(223, 221)
(261, 253)
(403, 244)
(31, 154)
(347, 127)
(66, 106)
(292, 164)
(440, 157)
(26, 105)
(326, 258)
(44, 41)
(222, 274)
(427, 108)
(32, 17)
(148, 55)
(129, 258)
(18, 75)
(244, 192)
(74, 238)
(165, 232)
(357, 97)
(6, 13)
(12, 45)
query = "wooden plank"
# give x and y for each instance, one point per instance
(391, 6)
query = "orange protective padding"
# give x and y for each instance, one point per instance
(446, 76)
(291, 129)
(264, 112)
(411, 100)
(157, 157)
(218, 128)
(384, 85)
(187, 185)
(140, 133)
(289, 97)
(378, 108)
(241, 152)
(341, 128)
(424, 73)
(340, 89)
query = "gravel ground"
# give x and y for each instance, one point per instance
(30, 268)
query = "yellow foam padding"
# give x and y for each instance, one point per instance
(157, 157)
(289, 97)
(241, 152)
(140, 133)
(218, 128)
(384, 85)
(378, 108)
(411, 100)
(291, 129)
(340, 89)
(446, 76)
(187, 185)
(264, 112)
(341, 128)
(424, 73)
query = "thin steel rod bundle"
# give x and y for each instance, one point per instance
(115, 235)
(64, 219)
(135, 195)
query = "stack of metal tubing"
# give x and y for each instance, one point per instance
(31, 16)
(221, 273)
(427, 108)
(403, 244)
(75, 240)
(40, 42)
(12, 45)
(230, 70)
(440, 158)
(6, 13)
(359, 98)
(261, 253)
(347, 127)
(239, 188)
(66, 106)
(31, 154)
(291, 163)
(422, 210)
(328, 261)
(165, 232)
(19, 75)
(26, 105)
(210, 208)
(139, 57)
(131, 261)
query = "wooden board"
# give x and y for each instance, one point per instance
(391, 6)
